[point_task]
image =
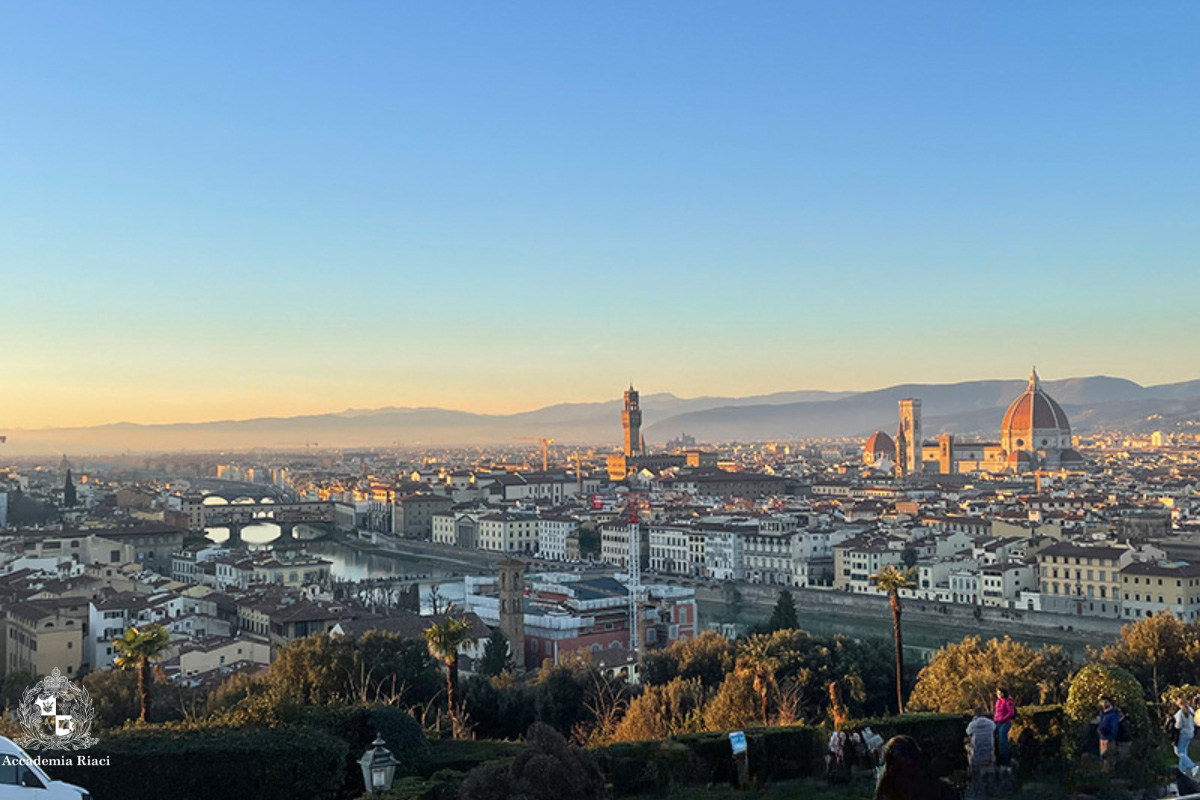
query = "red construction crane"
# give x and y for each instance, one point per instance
(545, 448)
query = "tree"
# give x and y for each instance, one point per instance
(495, 654)
(964, 674)
(1101, 680)
(138, 649)
(709, 657)
(15, 685)
(663, 711)
(842, 692)
(758, 657)
(908, 556)
(561, 693)
(891, 579)
(658, 668)
(734, 706)
(443, 640)
(499, 708)
(336, 670)
(1159, 650)
(784, 616)
(70, 498)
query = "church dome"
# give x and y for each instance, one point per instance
(1035, 422)
(880, 445)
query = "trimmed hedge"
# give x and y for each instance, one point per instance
(213, 763)
(777, 754)
(699, 758)
(358, 726)
(941, 736)
(463, 755)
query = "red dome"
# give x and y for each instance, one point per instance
(1035, 410)
(880, 444)
(1034, 421)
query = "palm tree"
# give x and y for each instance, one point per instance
(443, 641)
(138, 648)
(757, 656)
(892, 579)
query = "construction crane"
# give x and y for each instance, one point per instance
(636, 593)
(545, 448)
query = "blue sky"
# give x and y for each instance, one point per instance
(223, 210)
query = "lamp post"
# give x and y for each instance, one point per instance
(378, 767)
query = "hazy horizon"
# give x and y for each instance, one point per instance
(613, 398)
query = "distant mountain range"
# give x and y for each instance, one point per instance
(973, 407)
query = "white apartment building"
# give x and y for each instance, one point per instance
(508, 533)
(724, 556)
(552, 535)
(457, 529)
(769, 557)
(1001, 585)
(614, 544)
(671, 550)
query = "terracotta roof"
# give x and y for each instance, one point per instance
(1035, 410)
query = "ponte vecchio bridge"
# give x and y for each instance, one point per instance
(237, 516)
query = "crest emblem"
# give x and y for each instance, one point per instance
(55, 714)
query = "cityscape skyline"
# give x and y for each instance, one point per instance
(309, 211)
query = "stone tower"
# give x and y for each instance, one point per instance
(512, 608)
(946, 454)
(631, 421)
(910, 430)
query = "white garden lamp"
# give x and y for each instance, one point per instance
(378, 767)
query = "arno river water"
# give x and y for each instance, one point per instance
(921, 638)
(349, 564)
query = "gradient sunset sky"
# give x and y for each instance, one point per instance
(222, 210)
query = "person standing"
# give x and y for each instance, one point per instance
(1185, 724)
(982, 732)
(1005, 712)
(1110, 724)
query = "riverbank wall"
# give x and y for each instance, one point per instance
(955, 620)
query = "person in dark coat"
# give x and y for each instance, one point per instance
(1109, 727)
(904, 774)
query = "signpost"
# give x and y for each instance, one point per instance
(737, 740)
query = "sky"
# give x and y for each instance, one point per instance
(228, 210)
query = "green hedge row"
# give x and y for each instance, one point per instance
(316, 757)
(156, 763)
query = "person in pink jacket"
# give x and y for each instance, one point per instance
(1003, 716)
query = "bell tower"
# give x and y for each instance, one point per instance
(910, 431)
(631, 421)
(512, 608)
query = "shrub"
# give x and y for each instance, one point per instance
(547, 768)
(359, 725)
(1083, 702)
(213, 763)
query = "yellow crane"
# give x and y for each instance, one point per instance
(545, 448)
